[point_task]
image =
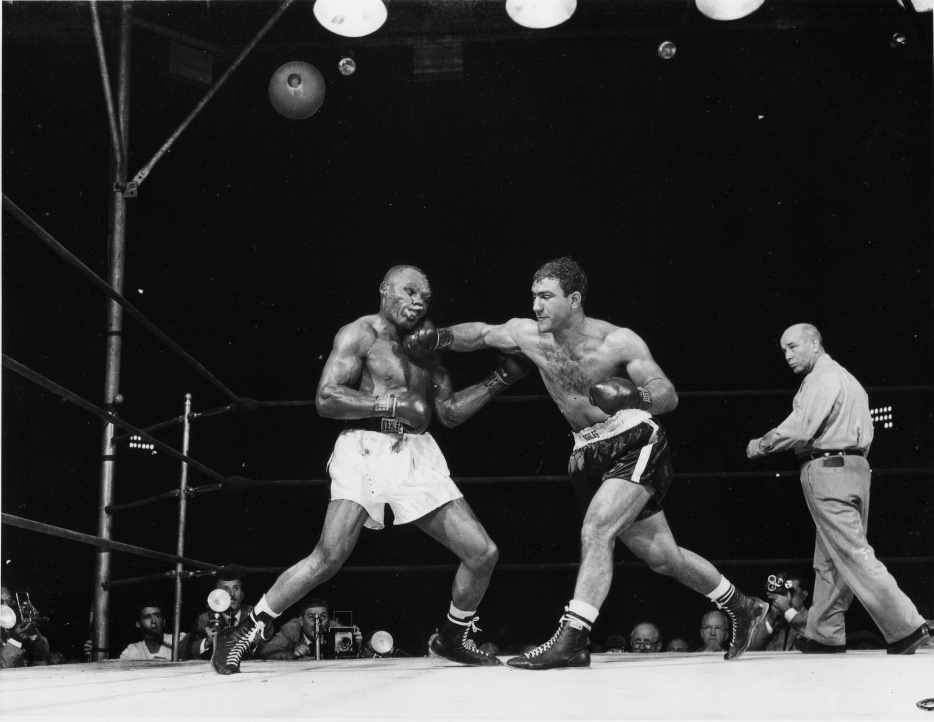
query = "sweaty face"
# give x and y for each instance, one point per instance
(308, 620)
(405, 298)
(714, 628)
(235, 590)
(800, 351)
(549, 304)
(644, 639)
(151, 622)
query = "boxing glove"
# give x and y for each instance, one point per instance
(423, 341)
(615, 394)
(512, 369)
(412, 410)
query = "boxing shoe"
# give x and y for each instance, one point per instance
(452, 644)
(908, 645)
(567, 648)
(231, 644)
(746, 614)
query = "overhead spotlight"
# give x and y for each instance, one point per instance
(351, 18)
(922, 6)
(728, 9)
(539, 14)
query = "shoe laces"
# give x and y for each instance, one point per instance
(732, 616)
(238, 650)
(542, 648)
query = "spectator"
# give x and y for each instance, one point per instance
(714, 632)
(200, 641)
(616, 644)
(23, 644)
(676, 644)
(788, 615)
(156, 643)
(297, 637)
(645, 637)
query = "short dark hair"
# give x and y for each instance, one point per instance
(567, 273)
(148, 603)
(230, 573)
(309, 602)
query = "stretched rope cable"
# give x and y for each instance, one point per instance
(108, 544)
(102, 285)
(40, 380)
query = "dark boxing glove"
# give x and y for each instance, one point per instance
(513, 368)
(422, 342)
(409, 408)
(615, 394)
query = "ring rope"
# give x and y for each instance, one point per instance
(53, 387)
(107, 544)
(98, 282)
(51, 530)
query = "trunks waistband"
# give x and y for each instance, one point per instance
(615, 425)
(385, 426)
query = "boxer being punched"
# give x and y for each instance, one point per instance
(605, 382)
(384, 456)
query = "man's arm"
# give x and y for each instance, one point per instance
(466, 337)
(455, 407)
(648, 388)
(812, 406)
(336, 398)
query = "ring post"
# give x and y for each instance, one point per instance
(182, 517)
(101, 609)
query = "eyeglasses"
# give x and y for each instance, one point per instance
(713, 629)
(643, 643)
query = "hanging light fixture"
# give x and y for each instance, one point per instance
(728, 9)
(351, 18)
(539, 14)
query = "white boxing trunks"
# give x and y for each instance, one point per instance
(406, 471)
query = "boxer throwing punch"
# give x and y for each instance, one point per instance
(385, 456)
(608, 387)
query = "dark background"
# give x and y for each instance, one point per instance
(776, 170)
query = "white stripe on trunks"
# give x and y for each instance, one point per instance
(644, 454)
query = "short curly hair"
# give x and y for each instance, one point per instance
(567, 273)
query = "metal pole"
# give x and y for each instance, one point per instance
(101, 625)
(182, 517)
(144, 172)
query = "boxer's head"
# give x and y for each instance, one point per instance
(405, 294)
(558, 291)
(803, 345)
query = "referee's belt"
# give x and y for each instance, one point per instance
(824, 453)
(386, 426)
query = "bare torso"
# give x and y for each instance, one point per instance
(569, 367)
(386, 368)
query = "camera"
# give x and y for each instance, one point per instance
(341, 640)
(344, 638)
(779, 585)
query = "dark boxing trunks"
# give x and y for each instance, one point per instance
(639, 454)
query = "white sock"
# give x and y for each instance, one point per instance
(723, 589)
(583, 609)
(261, 607)
(459, 614)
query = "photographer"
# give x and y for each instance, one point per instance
(22, 645)
(200, 641)
(297, 637)
(788, 615)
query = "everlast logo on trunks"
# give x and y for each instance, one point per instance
(391, 426)
(591, 435)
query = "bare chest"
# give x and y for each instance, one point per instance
(572, 371)
(387, 368)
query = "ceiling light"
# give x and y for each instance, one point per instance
(351, 18)
(539, 14)
(728, 9)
